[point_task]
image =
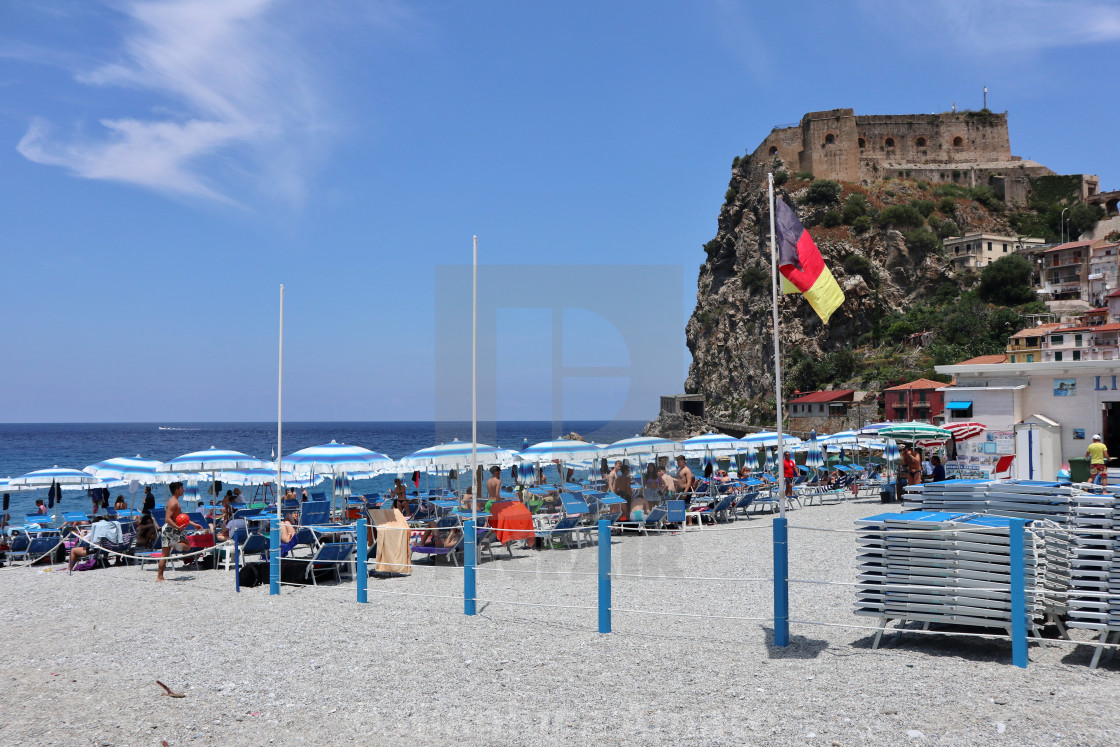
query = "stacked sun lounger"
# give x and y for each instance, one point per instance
(939, 567)
(1094, 568)
(1022, 499)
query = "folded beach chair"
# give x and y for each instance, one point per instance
(330, 558)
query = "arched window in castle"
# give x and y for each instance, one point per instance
(829, 139)
(958, 142)
(920, 142)
(862, 143)
(889, 142)
(773, 150)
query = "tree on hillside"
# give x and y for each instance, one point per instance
(1083, 217)
(1007, 281)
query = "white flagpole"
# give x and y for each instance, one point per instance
(474, 391)
(777, 357)
(280, 414)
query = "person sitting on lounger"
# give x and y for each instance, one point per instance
(288, 533)
(90, 539)
(439, 537)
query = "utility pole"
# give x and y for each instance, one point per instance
(985, 97)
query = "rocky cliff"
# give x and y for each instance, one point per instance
(892, 263)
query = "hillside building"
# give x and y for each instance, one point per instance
(976, 250)
(915, 400)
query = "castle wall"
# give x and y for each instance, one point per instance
(829, 144)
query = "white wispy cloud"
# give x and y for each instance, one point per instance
(235, 105)
(1000, 26)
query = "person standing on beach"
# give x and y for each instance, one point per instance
(171, 536)
(1097, 454)
(789, 469)
(612, 476)
(686, 481)
(494, 485)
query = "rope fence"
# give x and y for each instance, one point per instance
(1015, 594)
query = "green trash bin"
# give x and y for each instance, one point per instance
(1078, 469)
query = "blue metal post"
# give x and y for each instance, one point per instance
(469, 557)
(604, 576)
(1018, 594)
(361, 572)
(274, 560)
(781, 583)
(237, 566)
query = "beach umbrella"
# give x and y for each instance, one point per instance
(42, 478)
(813, 456)
(914, 431)
(335, 458)
(872, 429)
(641, 446)
(750, 459)
(769, 438)
(212, 460)
(965, 431)
(456, 455)
(145, 471)
(890, 453)
(713, 444)
(562, 450)
(341, 488)
(265, 476)
(843, 437)
(769, 460)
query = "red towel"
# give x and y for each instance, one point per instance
(512, 521)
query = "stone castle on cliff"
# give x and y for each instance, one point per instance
(967, 148)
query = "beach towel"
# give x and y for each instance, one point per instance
(394, 555)
(512, 521)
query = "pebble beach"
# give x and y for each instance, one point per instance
(83, 653)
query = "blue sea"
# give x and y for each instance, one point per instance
(27, 447)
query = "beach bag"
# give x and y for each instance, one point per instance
(253, 574)
(885, 496)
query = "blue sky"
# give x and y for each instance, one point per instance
(166, 165)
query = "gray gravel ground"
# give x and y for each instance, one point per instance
(82, 654)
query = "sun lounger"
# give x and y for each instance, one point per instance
(330, 558)
(446, 524)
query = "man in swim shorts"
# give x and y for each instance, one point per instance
(171, 536)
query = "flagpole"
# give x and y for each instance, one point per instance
(474, 391)
(777, 356)
(280, 413)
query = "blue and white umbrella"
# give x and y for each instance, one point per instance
(266, 476)
(813, 456)
(562, 450)
(890, 453)
(843, 437)
(456, 455)
(713, 444)
(341, 487)
(750, 459)
(144, 471)
(335, 458)
(212, 460)
(43, 478)
(769, 438)
(873, 428)
(641, 446)
(769, 460)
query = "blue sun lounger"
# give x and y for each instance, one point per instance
(331, 558)
(446, 524)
